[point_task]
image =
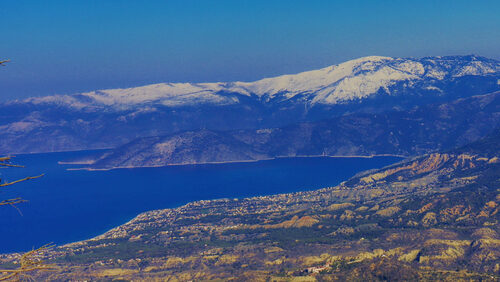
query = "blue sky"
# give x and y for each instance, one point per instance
(63, 47)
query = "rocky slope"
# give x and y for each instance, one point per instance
(421, 130)
(192, 147)
(108, 118)
(433, 217)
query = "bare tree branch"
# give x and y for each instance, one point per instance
(29, 262)
(10, 165)
(4, 161)
(12, 201)
(21, 180)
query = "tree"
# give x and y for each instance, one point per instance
(32, 260)
(28, 263)
(5, 162)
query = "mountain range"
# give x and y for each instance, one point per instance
(424, 129)
(110, 118)
(433, 216)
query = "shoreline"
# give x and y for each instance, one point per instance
(178, 206)
(62, 151)
(230, 162)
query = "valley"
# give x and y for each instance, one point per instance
(260, 141)
(431, 217)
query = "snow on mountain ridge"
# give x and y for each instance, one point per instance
(354, 79)
(308, 81)
(169, 94)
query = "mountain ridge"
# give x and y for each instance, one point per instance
(323, 82)
(110, 118)
(421, 130)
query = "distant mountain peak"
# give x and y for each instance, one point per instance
(342, 83)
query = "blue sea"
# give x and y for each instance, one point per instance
(71, 205)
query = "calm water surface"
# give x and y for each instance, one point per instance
(66, 206)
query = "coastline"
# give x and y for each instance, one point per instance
(229, 162)
(93, 236)
(61, 151)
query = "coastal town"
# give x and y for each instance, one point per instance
(383, 217)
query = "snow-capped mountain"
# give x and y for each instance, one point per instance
(352, 80)
(107, 118)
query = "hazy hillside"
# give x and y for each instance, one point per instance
(421, 130)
